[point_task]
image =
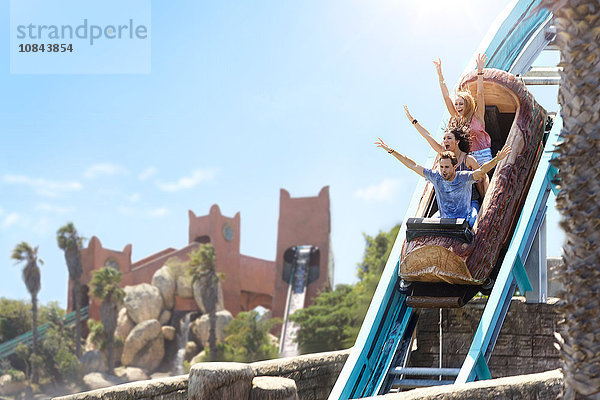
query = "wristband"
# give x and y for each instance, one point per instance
(480, 73)
(390, 151)
(414, 121)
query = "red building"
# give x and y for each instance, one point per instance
(250, 281)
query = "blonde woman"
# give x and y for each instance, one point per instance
(468, 112)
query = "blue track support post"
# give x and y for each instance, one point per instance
(512, 270)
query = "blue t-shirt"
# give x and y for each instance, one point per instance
(453, 197)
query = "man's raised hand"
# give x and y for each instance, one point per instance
(502, 154)
(381, 143)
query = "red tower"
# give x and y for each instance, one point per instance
(302, 221)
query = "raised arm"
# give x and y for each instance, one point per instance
(487, 167)
(424, 132)
(401, 157)
(444, 89)
(481, 58)
(484, 182)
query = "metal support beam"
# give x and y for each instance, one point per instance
(542, 76)
(512, 267)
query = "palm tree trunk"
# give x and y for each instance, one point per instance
(77, 301)
(34, 348)
(108, 314)
(110, 353)
(212, 334)
(578, 37)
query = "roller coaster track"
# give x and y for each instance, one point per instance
(378, 359)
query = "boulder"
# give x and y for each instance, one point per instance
(264, 314)
(131, 374)
(10, 386)
(191, 349)
(143, 302)
(89, 345)
(124, 324)
(168, 332)
(165, 282)
(201, 327)
(220, 381)
(197, 289)
(165, 317)
(144, 346)
(274, 340)
(92, 361)
(99, 380)
(184, 287)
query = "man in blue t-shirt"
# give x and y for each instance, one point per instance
(452, 188)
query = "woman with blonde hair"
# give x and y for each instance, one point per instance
(468, 112)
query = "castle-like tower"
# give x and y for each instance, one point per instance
(249, 281)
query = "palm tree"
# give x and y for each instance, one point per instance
(23, 252)
(577, 36)
(70, 242)
(201, 267)
(105, 287)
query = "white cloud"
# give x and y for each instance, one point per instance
(134, 198)
(42, 226)
(199, 175)
(147, 173)
(153, 213)
(159, 212)
(53, 209)
(387, 190)
(10, 219)
(43, 186)
(107, 169)
(125, 210)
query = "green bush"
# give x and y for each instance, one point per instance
(16, 375)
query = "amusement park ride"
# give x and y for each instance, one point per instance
(441, 263)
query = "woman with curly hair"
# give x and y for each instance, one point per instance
(468, 112)
(456, 139)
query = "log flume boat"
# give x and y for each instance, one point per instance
(444, 263)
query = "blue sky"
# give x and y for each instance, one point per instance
(242, 99)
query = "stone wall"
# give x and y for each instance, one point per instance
(525, 344)
(314, 375)
(172, 388)
(543, 386)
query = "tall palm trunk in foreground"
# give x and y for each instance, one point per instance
(105, 286)
(23, 252)
(70, 242)
(578, 37)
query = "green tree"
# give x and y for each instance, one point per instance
(248, 339)
(201, 268)
(24, 253)
(333, 321)
(15, 318)
(105, 286)
(329, 323)
(70, 242)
